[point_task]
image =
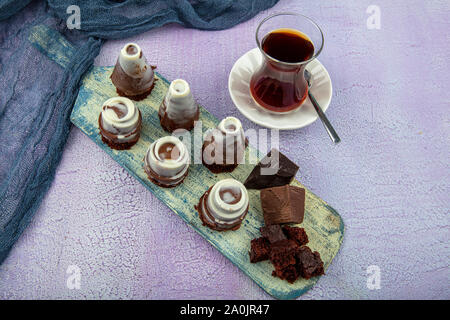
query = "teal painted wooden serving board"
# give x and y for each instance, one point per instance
(322, 223)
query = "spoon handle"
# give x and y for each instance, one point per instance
(326, 123)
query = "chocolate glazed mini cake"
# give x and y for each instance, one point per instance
(178, 109)
(224, 146)
(166, 162)
(132, 76)
(224, 205)
(120, 123)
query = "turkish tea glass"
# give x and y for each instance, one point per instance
(280, 86)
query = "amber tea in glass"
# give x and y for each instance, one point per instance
(279, 84)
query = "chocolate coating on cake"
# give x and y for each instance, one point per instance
(120, 109)
(168, 151)
(131, 49)
(230, 195)
(282, 172)
(162, 181)
(132, 76)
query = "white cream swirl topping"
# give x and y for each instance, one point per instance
(227, 201)
(229, 136)
(180, 104)
(169, 168)
(120, 118)
(134, 64)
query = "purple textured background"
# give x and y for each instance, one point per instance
(389, 178)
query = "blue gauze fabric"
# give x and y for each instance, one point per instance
(41, 65)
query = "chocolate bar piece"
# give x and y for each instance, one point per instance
(260, 249)
(285, 204)
(274, 170)
(309, 264)
(272, 233)
(297, 234)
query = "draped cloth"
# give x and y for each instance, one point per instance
(39, 84)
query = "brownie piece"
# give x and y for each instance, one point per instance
(260, 249)
(272, 233)
(290, 273)
(297, 234)
(285, 204)
(274, 170)
(290, 257)
(283, 253)
(309, 264)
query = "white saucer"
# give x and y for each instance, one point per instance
(239, 87)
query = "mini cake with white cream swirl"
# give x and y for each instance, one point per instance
(132, 76)
(224, 205)
(166, 162)
(178, 110)
(120, 123)
(224, 147)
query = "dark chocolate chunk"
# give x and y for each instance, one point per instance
(297, 234)
(309, 264)
(274, 170)
(272, 233)
(283, 253)
(260, 249)
(285, 204)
